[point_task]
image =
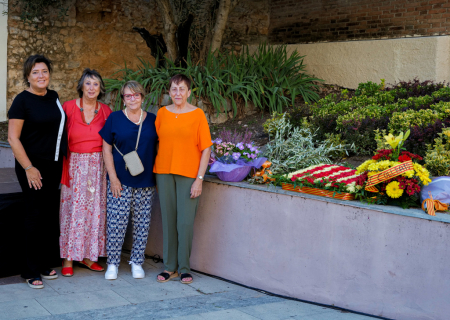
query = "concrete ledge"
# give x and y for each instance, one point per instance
(413, 212)
(6, 155)
(377, 260)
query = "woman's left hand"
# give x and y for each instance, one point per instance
(196, 189)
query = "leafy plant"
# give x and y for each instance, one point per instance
(296, 148)
(270, 78)
(402, 121)
(437, 158)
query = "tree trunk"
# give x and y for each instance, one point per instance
(156, 44)
(225, 7)
(170, 28)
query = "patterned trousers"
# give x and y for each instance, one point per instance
(139, 202)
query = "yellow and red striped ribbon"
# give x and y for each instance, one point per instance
(388, 174)
(433, 205)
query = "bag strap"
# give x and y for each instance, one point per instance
(137, 142)
(139, 134)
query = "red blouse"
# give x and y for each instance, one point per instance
(83, 138)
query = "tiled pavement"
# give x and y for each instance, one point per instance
(87, 295)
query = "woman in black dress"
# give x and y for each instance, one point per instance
(37, 137)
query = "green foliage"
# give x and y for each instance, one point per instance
(271, 125)
(335, 139)
(437, 158)
(380, 140)
(369, 88)
(296, 148)
(269, 77)
(402, 121)
(422, 107)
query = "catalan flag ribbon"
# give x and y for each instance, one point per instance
(433, 205)
(388, 174)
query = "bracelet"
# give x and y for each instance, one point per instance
(29, 167)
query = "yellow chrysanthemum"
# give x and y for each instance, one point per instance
(393, 190)
(364, 167)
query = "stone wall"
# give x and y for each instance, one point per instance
(293, 21)
(98, 34)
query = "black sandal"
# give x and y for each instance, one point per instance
(167, 276)
(47, 276)
(184, 276)
(35, 286)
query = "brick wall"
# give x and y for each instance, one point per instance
(302, 21)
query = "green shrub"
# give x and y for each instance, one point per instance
(369, 88)
(437, 158)
(403, 121)
(442, 108)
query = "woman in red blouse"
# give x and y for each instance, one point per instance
(83, 193)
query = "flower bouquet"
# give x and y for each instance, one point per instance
(328, 180)
(233, 161)
(394, 176)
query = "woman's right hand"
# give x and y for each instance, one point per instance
(34, 178)
(116, 187)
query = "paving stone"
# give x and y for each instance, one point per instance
(156, 291)
(332, 315)
(207, 284)
(77, 283)
(219, 315)
(21, 291)
(286, 309)
(20, 309)
(82, 301)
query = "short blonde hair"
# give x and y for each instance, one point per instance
(134, 86)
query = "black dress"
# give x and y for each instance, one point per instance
(44, 139)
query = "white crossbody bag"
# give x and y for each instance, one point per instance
(132, 161)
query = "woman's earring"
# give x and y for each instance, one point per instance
(124, 104)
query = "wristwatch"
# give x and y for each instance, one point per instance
(200, 177)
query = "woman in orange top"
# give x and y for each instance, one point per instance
(83, 193)
(181, 162)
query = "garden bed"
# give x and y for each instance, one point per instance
(344, 253)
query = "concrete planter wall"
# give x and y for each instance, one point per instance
(378, 260)
(6, 156)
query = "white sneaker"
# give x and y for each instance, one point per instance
(111, 272)
(137, 271)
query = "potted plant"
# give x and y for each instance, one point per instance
(232, 160)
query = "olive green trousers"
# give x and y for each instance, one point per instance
(178, 213)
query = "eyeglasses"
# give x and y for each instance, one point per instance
(128, 96)
(176, 90)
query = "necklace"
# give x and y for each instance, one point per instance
(140, 118)
(82, 113)
(178, 114)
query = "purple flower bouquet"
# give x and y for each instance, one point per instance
(233, 162)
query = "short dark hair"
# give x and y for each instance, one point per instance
(180, 78)
(91, 73)
(30, 62)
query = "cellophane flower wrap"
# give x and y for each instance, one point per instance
(227, 156)
(403, 189)
(329, 177)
